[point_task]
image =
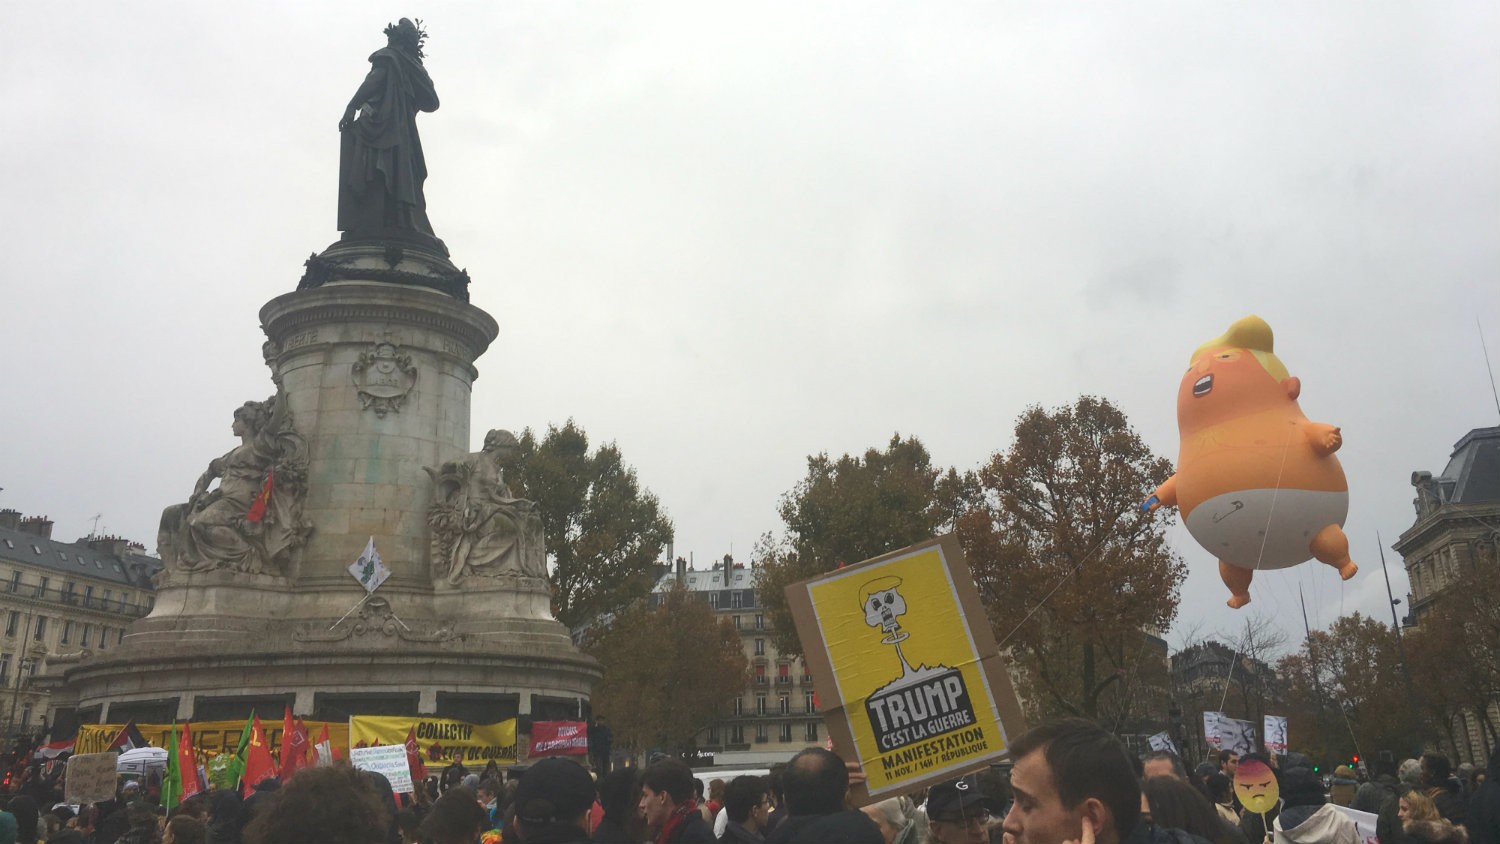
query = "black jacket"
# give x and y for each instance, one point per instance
(694, 830)
(735, 833)
(1449, 801)
(1483, 818)
(848, 827)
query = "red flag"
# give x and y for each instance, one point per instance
(258, 506)
(293, 745)
(323, 750)
(258, 763)
(187, 764)
(414, 758)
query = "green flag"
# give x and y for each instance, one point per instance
(171, 784)
(237, 763)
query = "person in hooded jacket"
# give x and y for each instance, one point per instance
(1483, 817)
(1306, 816)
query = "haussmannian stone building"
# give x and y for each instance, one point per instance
(777, 716)
(1457, 526)
(58, 602)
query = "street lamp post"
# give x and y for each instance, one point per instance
(22, 660)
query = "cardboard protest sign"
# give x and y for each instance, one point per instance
(388, 759)
(909, 679)
(91, 778)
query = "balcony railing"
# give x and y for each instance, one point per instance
(78, 599)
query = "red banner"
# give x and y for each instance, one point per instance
(559, 738)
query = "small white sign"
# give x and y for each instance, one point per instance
(1162, 741)
(368, 569)
(1275, 733)
(388, 760)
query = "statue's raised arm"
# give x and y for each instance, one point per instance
(381, 166)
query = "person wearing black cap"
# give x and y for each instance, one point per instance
(553, 802)
(958, 812)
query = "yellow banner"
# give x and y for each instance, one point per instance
(210, 738)
(439, 740)
(907, 666)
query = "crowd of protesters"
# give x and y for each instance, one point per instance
(1423, 801)
(1070, 782)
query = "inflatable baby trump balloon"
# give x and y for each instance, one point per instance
(1256, 481)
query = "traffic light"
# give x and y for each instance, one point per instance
(1315, 769)
(1354, 760)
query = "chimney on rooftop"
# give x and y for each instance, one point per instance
(10, 519)
(37, 526)
(110, 546)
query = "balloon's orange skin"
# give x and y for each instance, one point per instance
(1275, 495)
(1248, 432)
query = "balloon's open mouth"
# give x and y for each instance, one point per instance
(1203, 386)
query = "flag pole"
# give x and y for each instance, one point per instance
(351, 611)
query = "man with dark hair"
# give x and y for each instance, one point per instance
(747, 802)
(1073, 782)
(553, 801)
(1162, 763)
(668, 806)
(1228, 761)
(1437, 778)
(816, 783)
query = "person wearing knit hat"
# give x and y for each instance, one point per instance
(1306, 815)
(553, 801)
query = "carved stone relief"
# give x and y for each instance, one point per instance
(383, 376)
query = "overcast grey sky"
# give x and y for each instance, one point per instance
(729, 236)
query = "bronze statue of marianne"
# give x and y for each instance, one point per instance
(381, 168)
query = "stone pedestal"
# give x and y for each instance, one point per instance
(377, 376)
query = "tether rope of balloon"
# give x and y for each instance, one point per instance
(1265, 536)
(1077, 567)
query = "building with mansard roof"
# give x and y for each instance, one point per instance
(1457, 527)
(58, 602)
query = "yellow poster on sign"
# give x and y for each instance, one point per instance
(210, 738)
(916, 689)
(439, 740)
